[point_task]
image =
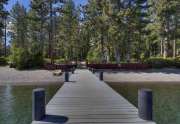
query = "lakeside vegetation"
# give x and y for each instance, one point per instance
(102, 31)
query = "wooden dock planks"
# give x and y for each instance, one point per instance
(87, 100)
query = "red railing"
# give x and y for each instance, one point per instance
(63, 67)
(128, 66)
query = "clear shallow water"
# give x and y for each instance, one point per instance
(16, 102)
(166, 98)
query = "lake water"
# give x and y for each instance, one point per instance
(166, 98)
(16, 102)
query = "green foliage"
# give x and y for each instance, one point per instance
(158, 62)
(68, 41)
(47, 60)
(36, 60)
(101, 31)
(94, 56)
(19, 17)
(20, 58)
(3, 61)
(60, 61)
(24, 59)
(3, 15)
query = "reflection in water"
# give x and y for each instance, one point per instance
(15, 103)
(166, 100)
(6, 107)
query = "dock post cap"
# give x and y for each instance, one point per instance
(38, 89)
(145, 90)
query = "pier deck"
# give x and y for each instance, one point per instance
(87, 100)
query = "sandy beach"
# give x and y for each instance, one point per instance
(44, 77)
(28, 77)
(166, 75)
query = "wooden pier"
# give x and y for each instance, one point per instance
(87, 100)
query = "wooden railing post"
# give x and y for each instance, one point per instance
(66, 76)
(93, 70)
(145, 104)
(72, 70)
(38, 104)
(101, 76)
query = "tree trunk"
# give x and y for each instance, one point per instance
(174, 48)
(102, 47)
(128, 56)
(5, 39)
(161, 47)
(51, 33)
(117, 55)
(165, 48)
(41, 36)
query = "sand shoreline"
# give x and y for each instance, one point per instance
(10, 76)
(37, 83)
(153, 76)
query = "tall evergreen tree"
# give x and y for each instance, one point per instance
(3, 15)
(69, 31)
(38, 22)
(166, 12)
(19, 17)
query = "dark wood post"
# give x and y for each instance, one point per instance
(38, 104)
(101, 76)
(66, 76)
(93, 70)
(145, 104)
(73, 69)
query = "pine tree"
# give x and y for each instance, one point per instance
(3, 15)
(38, 22)
(69, 31)
(166, 12)
(142, 21)
(19, 17)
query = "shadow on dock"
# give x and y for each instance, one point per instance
(55, 119)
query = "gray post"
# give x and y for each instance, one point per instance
(66, 76)
(93, 70)
(101, 77)
(38, 104)
(73, 69)
(145, 104)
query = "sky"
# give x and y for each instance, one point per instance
(26, 3)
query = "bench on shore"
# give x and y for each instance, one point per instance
(57, 73)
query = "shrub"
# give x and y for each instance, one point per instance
(47, 60)
(177, 62)
(24, 59)
(3, 61)
(60, 61)
(157, 62)
(36, 60)
(94, 56)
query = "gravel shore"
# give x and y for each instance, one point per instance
(170, 76)
(29, 77)
(43, 77)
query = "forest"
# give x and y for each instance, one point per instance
(102, 31)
